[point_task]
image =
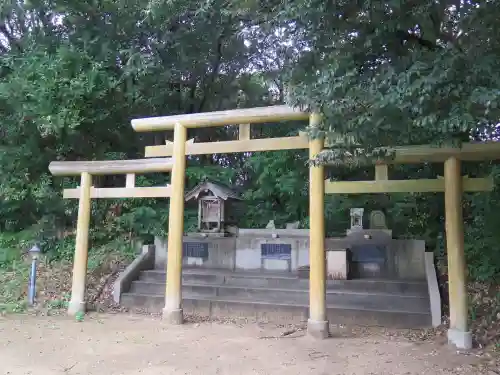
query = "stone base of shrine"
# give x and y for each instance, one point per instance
(288, 251)
(263, 275)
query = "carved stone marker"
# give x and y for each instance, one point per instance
(279, 251)
(336, 264)
(271, 225)
(377, 220)
(357, 218)
(195, 250)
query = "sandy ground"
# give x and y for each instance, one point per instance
(133, 344)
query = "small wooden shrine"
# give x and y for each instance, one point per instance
(215, 206)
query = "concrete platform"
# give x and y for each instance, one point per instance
(286, 280)
(283, 297)
(279, 312)
(356, 299)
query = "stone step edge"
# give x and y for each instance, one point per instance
(225, 273)
(273, 289)
(284, 304)
(243, 274)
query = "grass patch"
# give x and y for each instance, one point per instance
(54, 272)
(14, 287)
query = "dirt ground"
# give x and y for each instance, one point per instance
(134, 344)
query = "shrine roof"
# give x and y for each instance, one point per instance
(218, 190)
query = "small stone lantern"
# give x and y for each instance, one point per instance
(357, 218)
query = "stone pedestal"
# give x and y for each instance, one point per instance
(318, 329)
(462, 340)
(174, 317)
(336, 265)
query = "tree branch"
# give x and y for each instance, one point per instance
(214, 70)
(6, 33)
(405, 36)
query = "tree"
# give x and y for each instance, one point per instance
(392, 72)
(74, 73)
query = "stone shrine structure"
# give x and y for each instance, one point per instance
(371, 278)
(362, 254)
(373, 253)
(356, 218)
(377, 220)
(215, 206)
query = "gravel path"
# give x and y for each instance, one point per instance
(132, 344)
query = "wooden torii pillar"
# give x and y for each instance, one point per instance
(317, 325)
(458, 332)
(84, 193)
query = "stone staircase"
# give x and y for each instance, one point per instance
(283, 297)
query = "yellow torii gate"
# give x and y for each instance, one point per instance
(453, 186)
(85, 192)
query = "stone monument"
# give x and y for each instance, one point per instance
(294, 225)
(271, 225)
(356, 219)
(377, 220)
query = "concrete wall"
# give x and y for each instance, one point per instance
(240, 253)
(265, 233)
(409, 259)
(248, 253)
(406, 258)
(160, 252)
(144, 261)
(221, 253)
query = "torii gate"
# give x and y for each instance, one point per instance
(85, 192)
(453, 186)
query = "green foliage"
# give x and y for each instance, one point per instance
(80, 316)
(59, 304)
(389, 72)
(382, 73)
(482, 238)
(13, 245)
(278, 190)
(13, 286)
(60, 249)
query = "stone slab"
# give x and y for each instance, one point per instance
(336, 265)
(433, 289)
(348, 299)
(287, 280)
(278, 313)
(144, 261)
(460, 339)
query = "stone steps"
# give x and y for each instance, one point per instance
(287, 280)
(403, 303)
(279, 312)
(283, 297)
